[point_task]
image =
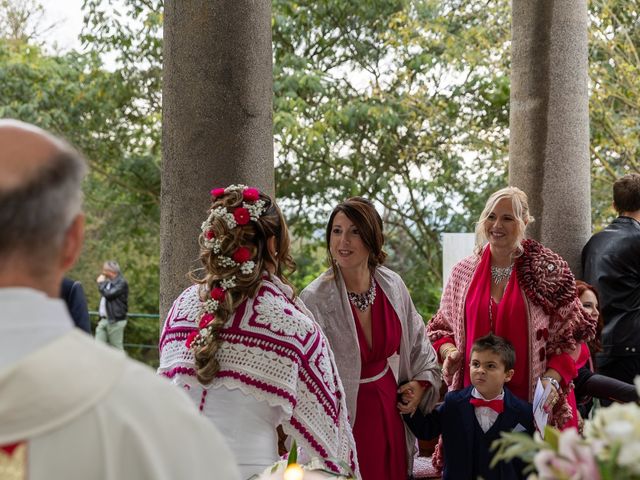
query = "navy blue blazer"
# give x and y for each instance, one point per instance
(467, 453)
(73, 294)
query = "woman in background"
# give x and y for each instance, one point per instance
(589, 384)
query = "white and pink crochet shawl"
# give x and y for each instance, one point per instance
(274, 351)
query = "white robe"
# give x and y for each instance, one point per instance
(86, 411)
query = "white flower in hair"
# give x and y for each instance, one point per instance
(247, 267)
(227, 262)
(228, 283)
(255, 209)
(211, 305)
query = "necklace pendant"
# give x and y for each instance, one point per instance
(499, 274)
(362, 301)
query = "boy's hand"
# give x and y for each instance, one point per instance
(410, 396)
(451, 365)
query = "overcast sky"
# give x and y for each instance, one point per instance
(68, 16)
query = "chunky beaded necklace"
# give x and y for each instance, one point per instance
(362, 300)
(498, 274)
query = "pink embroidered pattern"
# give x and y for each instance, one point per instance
(272, 350)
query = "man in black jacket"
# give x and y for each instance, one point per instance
(114, 305)
(611, 263)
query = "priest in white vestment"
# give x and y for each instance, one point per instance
(71, 409)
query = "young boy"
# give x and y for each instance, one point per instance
(470, 419)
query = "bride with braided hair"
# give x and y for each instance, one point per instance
(245, 348)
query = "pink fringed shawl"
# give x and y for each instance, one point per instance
(273, 351)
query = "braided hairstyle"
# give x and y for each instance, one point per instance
(234, 255)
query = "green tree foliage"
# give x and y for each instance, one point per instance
(404, 102)
(615, 98)
(113, 119)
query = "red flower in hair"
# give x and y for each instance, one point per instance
(210, 234)
(242, 254)
(217, 192)
(251, 194)
(190, 338)
(217, 294)
(241, 215)
(206, 319)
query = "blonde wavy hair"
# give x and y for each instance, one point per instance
(253, 236)
(520, 204)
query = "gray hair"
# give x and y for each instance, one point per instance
(35, 216)
(113, 266)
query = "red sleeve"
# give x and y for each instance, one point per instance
(565, 366)
(438, 343)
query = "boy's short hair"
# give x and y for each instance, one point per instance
(498, 345)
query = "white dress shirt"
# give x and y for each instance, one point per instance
(486, 416)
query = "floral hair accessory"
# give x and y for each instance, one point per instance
(252, 209)
(192, 336)
(251, 194)
(242, 254)
(204, 334)
(217, 294)
(217, 192)
(228, 283)
(206, 319)
(241, 216)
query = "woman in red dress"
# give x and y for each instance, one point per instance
(378, 340)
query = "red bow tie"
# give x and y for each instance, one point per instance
(497, 405)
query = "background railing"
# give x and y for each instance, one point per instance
(141, 335)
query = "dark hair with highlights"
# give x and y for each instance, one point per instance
(253, 236)
(368, 222)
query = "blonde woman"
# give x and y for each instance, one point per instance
(520, 290)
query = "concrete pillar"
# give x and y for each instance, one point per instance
(549, 121)
(216, 121)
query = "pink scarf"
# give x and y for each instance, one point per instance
(508, 319)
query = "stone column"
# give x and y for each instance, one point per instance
(549, 121)
(216, 119)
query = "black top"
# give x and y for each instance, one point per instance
(611, 263)
(72, 293)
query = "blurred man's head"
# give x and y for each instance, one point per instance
(41, 221)
(111, 269)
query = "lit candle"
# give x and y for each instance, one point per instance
(293, 472)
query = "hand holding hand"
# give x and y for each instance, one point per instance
(101, 278)
(410, 396)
